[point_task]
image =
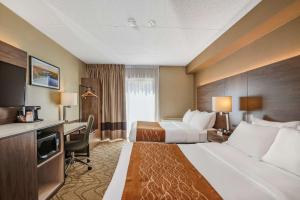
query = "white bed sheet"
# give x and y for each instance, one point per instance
(176, 132)
(233, 174)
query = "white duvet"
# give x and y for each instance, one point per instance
(176, 132)
(234, 175)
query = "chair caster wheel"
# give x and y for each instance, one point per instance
(89, 168)
(88, 160)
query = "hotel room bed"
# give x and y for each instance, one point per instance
(192, 129)
(175, 132)
(231, 173)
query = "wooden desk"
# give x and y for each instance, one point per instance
(74, 127)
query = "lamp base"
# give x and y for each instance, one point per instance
(65, 113)
(226, 130)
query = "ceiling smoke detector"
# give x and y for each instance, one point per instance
(132, 22)
(151, 23)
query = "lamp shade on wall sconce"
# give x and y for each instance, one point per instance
(222, 104)
(252, 103)
(69, 98)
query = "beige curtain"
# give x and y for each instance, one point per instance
(112, 103)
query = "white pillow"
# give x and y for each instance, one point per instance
(212, 120)
(252, 139)
(284, 152)
(200, 120)
(262, 122)
(187, 116)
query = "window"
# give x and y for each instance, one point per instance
(141, 84)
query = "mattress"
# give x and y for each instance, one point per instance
(175, 132)
(232, 174)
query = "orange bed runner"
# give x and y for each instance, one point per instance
(150, 132)
(161, 171)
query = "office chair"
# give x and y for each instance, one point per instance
(72, 146)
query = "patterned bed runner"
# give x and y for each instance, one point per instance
(150, 132)
(161, 171)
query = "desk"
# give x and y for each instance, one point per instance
(73, 127)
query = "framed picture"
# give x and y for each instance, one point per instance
(44, 74)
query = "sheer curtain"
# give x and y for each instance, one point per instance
(141, 87)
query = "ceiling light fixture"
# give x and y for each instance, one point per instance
(151, 23)
(132, 22)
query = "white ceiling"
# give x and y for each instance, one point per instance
(96, 31)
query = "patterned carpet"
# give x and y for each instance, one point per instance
(82, 184)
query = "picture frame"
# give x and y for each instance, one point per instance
(44, 74)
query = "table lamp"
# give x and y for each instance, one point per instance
(223, 105)
(68, 99)
(250, 104)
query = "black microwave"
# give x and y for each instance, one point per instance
(47, 145)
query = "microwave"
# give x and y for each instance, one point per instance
(47, 145)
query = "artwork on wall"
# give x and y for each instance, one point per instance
(44, 74)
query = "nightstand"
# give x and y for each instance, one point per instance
(212, 136)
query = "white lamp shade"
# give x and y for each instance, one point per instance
(222, 104)
(69, 98)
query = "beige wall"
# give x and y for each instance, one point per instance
(175, 91)
(278, 45)
(17, 32)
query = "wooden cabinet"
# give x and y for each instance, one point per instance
(21, 177)
(90, 105)
(18, 167)
(51, 172)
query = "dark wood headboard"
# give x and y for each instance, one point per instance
(274, 88)
(18, 57)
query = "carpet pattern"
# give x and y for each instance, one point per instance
(82, 184)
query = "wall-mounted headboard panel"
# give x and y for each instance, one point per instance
(12, 55)
(277, 86)
(18, 57)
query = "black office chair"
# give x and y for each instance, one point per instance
(72, 146)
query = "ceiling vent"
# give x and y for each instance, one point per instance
(132, 22)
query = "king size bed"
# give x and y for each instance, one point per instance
(230, 170)
(259, 161)
(192, 129)
(167, 132)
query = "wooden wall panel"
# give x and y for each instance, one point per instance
(13, 55)
(8, 115)
(206, 92)
(16, 57)
(204, 96)
(279, 86)
(276, 86)
(236, 86)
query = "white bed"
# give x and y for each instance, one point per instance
(233, 174)
(176, 132)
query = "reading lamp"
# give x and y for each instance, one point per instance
(68, 99)
(223, 105)
(250, 104)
